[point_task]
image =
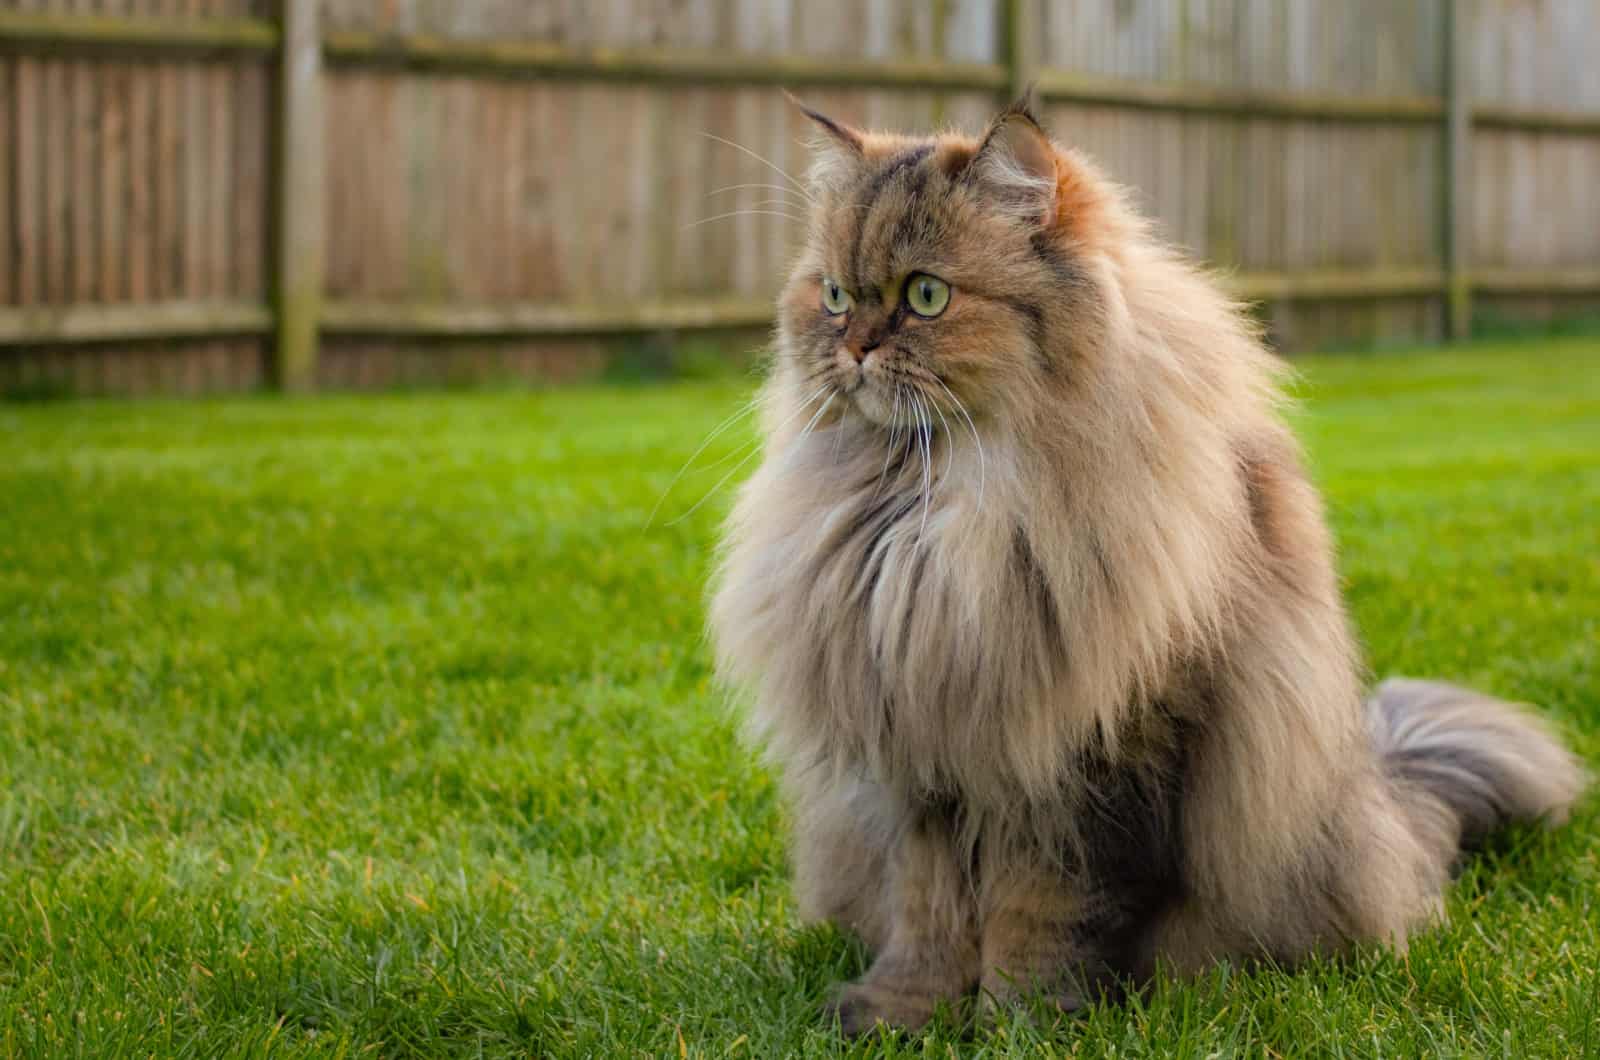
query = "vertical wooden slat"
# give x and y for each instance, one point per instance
(138, 203)
(457, 263)
(514, 191)
(221, 207)
(250, 116)
(86, 173)
(208, 368)
(7, 252)
(54, 127)
(195, 183)
(389, 222)
(1458, 169)
(494, 216)
(168, 204)
(194, 366)
(393, 106)
(29, 204)
(299, 197)
(91, 92)
(338, 277)
(113, 206)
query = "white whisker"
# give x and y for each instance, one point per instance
(812, 423)
(976, 440)
(949, 449)
(894, 432)
(716, 432)
(748, 456)
(779, 188)
(801, 188)
(712, 492)
(738, 451)
(927, 463)
(743, 213)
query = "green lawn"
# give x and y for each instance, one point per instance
(385, 725)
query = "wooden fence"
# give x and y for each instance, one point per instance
(217, 194)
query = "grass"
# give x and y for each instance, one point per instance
(354, 726)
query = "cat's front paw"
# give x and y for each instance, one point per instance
(867, 1005)
(1069, 995)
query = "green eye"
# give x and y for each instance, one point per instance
(927, 295)
(834, 298)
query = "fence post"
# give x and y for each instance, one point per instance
(1458, 170)
(1022, 26)
(299, 198)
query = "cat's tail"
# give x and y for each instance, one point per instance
(1469, 763)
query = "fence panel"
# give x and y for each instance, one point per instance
(511, 187)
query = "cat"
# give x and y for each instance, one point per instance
(1037, 611)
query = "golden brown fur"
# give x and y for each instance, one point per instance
(1038, 614)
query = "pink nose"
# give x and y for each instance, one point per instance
(859, 348)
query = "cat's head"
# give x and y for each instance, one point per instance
(941, 267)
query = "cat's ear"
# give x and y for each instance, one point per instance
(836, 151)
(1016, 165)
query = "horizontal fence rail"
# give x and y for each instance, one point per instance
(537, 59)
(542, 59)
(131, 321)
(53, 34)
(1206, 99)
(21, 30)
(71, 324)
(444, 319)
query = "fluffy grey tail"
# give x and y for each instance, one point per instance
(1481, 761)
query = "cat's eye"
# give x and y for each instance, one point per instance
(927, 295)
(834, 298)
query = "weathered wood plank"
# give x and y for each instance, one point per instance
(114, 181)
(140, 135)
(87, 172)
(54, 127)
(194, 280)
(251, 118)
(7, 208)
(169, 187)
(29, 200)
(222, 205)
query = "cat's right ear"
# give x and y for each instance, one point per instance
(838, 149)
(1017, 164)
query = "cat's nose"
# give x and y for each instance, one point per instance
(859, 348)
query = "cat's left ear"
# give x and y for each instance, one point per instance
(838, 149)
(1017, 165)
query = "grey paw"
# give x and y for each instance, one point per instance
(864, 1007)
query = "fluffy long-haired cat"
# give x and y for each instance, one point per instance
(1038, 613)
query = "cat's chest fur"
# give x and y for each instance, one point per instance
(898, 626)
